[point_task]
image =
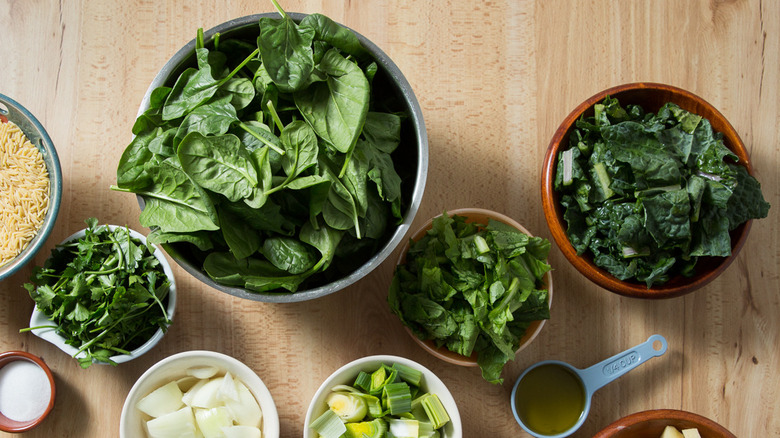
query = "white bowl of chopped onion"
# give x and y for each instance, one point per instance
(30, 186)
(417, 419)
(204, 393)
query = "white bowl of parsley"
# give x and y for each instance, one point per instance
(648, 190)
(103, 296)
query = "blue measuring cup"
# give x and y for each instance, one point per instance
(541, 390)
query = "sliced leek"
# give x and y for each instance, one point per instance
(328, 425)
(408, 374)
(363, 381)
(348, 406)
(397, 398)
(435, 410)
(382, 377)
(404, 428)
(367, 429)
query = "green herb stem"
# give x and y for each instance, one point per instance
(27, 329)
(239, 67)
(275, 116)
(199, 44)
(279, 8)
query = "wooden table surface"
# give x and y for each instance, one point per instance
(494, 79)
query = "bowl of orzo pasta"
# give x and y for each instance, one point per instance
(30, 186)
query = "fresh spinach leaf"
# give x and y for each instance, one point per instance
(289, 254)
(175, 204)
(219, 164)
(285, 49)
(336, 108)
(213, 118)
(330, 33)
(240, 237)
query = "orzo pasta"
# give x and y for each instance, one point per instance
(24, 191)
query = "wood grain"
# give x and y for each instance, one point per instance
(494, 78)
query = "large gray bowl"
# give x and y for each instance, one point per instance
(413, 156)
(38, 136)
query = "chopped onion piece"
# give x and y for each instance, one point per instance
(161, 401)
(186, 383)
(190, 394)
(177, 424)
(206, 372)
(246, 411)
(211, 421)
(241, 432)
(206, 397)
(227, 391)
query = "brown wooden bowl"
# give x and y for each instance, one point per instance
(480, 216)
(650, 424)
(651, 97)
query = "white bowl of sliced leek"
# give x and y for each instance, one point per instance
(374, 395)
(199, 393)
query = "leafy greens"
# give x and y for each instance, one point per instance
(106, 292)
(269, 162)
(648, 194)
(473, 288)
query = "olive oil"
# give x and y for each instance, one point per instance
(550, 399)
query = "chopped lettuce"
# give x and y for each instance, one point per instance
(646, 194)
(473, 288)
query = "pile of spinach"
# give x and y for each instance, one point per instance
(271, 160)
(106, 292)
(473, 288)
(648, 194)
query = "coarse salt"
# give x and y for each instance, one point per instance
(25, 391)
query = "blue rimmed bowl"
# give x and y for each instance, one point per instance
(35, 132)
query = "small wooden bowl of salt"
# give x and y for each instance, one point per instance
(26, 391)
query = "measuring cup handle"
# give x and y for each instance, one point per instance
(610, 369)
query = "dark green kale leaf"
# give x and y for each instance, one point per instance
(747, 202)
(647, 194)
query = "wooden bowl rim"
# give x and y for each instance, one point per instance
(473, 215)
(553, 210)
(638, 418)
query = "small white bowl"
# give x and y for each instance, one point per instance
(131, 423)
(346, 376)
(39, 318)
